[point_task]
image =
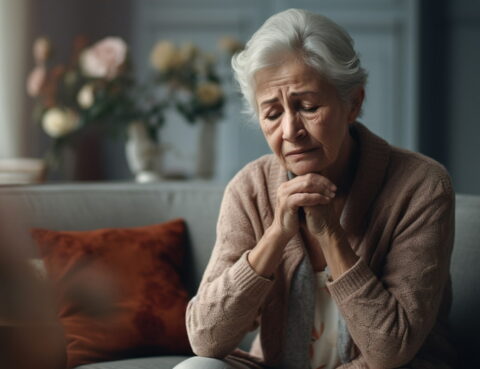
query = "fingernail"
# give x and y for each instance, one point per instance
(331, 194)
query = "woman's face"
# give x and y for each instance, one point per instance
(302, 117)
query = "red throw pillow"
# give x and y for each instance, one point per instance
(119, 291)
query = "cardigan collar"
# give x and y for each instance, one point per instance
(374, 156)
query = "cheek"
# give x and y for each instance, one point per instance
(322, 126)
(267, 129)
(328, 128)
(273, 136)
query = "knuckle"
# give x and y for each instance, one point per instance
(290, 202)
(326, 182)
(310, 178)
(307, 185)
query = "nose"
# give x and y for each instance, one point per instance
(292, 127)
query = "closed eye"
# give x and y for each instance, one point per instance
(309, 109)
(273, 116)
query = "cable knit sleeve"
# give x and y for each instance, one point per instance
(230, 295)
(390, 315)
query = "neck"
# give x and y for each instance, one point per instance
(342, 172)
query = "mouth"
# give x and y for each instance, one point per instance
(300, 152)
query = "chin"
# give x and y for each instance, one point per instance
(301, 169)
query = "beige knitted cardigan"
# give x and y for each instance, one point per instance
(399, 218)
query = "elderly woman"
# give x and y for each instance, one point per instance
(338, 245)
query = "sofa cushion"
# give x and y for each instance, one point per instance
(86, 206)
(119, 290)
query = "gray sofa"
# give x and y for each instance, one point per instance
(91, 206)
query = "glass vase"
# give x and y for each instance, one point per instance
(142, 153)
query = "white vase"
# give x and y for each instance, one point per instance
(206, 149)
(142, 153)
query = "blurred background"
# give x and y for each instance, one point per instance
(422, 57)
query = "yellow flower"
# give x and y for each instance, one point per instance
(230, 44)
(209, 93)
(58, 122)
(187, 53)
(210, 58)
(164, 56)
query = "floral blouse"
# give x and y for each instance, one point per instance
(323, 346)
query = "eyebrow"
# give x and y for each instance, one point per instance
(296, 94)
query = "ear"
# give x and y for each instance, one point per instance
(357, 101)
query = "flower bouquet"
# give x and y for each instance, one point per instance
(95, 87)
(98, 88)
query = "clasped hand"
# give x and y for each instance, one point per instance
(312, 192)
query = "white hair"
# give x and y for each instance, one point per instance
(312, 38)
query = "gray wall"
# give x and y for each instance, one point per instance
(463, 91)
(449, 92)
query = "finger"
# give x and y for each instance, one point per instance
(310, 183)
(316, 179)
(298, 200)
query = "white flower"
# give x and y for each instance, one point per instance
(104, 59)
(86, 96)
(58, 122)
(164, 56)
(209, 93)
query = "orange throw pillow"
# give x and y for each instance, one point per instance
(119, 291)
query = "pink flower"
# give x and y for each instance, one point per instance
(36, 80)
(104, 59)
(42, 48)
